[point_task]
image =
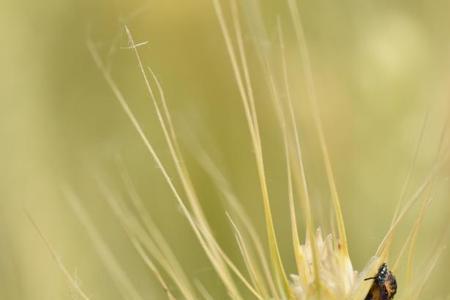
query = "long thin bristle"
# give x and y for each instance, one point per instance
(249, 263)
(231, 199)
(244, 88)
(312, 97)
(70, 278)
(123, 282)
(153, 243)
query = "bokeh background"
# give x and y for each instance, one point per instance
(379, 67)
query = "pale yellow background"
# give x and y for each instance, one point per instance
(379, 66)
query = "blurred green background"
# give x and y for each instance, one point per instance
(379, 67)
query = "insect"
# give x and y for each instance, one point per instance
(384, 285)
